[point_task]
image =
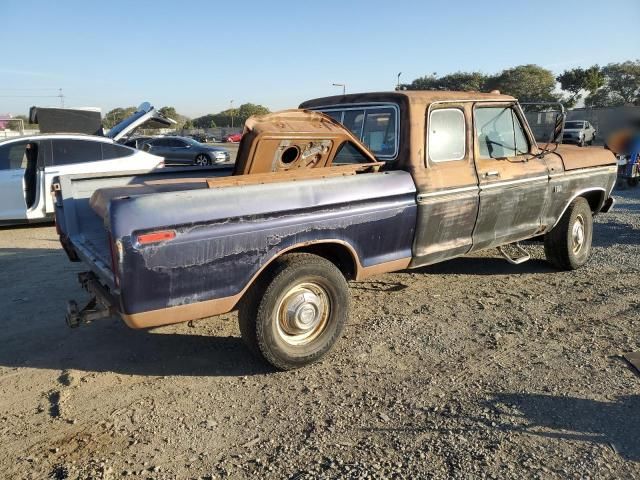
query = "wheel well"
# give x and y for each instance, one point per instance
(595, 199)
(336, 253)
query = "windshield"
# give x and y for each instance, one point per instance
(573, 125)
(191, 141)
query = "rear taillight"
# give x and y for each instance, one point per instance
(155, 237)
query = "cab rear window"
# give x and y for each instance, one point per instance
(375, 125)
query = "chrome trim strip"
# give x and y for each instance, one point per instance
(451, 191)
(506, 183)
(586, 170)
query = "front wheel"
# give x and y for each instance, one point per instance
(202, 160)
(295, 313)
(568, 245)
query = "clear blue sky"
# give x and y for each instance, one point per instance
(198, 55)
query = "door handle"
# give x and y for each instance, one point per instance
(492, 173)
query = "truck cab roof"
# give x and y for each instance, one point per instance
(412, 96)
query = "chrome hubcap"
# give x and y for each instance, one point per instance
(303, 313)
(577, 234)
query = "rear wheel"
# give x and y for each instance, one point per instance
(568, 245)
(295, 313)
(202, 160)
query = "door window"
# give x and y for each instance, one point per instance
(499, 133)
(110, 151)
(447, 133)
(67, 152)
(349, 154)
(13, 156)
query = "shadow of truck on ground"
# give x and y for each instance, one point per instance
(613, 423)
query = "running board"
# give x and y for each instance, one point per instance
(515, 261)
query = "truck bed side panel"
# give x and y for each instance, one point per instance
(226, 235)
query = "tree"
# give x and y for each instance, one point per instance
(460, 81)
(116, 115)
(623, 81)
(528, 83)
(621, 86)
(237, 116)
(578, 80)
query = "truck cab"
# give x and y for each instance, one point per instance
(481, 179)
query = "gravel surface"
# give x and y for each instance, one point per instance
(473, 368)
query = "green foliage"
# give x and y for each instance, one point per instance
(116, 115)
(623, 81)
(458, 81)
(235, 116)
(528, 83)
(578, 80)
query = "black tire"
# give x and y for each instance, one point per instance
(581, 142)
(202, 160)
(562, 245)
(291, 281)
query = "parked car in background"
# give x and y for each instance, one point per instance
(210, 138)
(232, 138)
(28, 164)
(579, 132)
(198, 137)
(185, 150)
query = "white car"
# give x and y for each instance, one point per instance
(29, 164)
(579, 132)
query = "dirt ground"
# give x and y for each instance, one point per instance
(473, 368)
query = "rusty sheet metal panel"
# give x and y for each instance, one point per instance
(292, 139)
(575, 157)
(564, 187)
(224, 236)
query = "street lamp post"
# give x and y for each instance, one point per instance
(231, 112)
(398, 82)
(343, 85)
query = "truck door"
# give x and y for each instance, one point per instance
(447, 185)
(13, 165)
(513, 183)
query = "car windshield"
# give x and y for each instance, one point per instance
(574, 125)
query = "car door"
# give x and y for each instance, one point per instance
(448, 192)
(513, 182)
(13, 164)
(181, 151)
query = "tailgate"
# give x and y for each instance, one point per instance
(83, 232)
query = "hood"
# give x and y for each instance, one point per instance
(144, 115)
(574, 157)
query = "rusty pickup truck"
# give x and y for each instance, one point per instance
(341, 189)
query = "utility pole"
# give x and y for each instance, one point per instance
(343, 85)
(231, 112)
(61, 96)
